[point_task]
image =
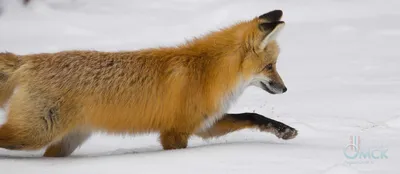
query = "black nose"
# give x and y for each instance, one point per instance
(284, 89)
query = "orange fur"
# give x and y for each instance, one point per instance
(8, 64)
(168, 90)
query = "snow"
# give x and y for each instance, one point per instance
(339, 60)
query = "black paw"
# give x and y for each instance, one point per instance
(287, 134)
(284, 131)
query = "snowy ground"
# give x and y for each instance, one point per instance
(340, 61)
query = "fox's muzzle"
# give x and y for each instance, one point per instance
(273, 87)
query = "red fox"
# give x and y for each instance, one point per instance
(57, 100)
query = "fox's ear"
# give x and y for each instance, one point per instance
(272, 30)
(272, 16)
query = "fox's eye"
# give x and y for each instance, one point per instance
(269, 67)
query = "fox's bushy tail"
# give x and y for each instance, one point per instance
(9, 63)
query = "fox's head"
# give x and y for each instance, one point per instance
(261, 52)
(248, 48)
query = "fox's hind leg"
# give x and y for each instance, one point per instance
(233, 122)
(68, 144)
(35, 120)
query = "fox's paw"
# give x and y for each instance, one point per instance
(285, 132)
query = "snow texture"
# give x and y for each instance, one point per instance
(339, 60)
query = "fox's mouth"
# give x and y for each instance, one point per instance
(272, 89)
(266, 88)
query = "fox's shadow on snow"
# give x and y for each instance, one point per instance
(149, 150)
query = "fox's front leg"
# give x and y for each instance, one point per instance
(174, 139)
(233, 122)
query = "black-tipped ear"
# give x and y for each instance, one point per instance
(269, 26)
(272, 30)
(272, 16)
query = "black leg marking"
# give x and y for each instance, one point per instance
(280, 129)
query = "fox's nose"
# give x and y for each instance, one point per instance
(284, 89)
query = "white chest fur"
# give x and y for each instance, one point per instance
(226, 102)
